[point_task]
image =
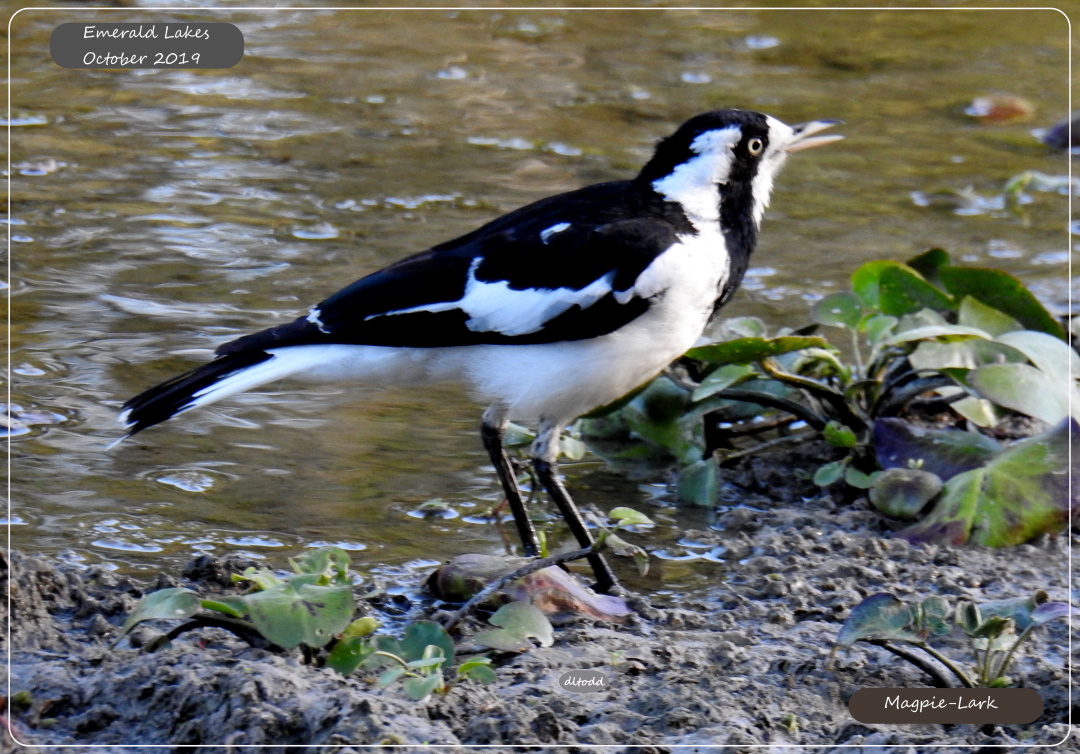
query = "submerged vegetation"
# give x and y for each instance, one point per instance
(939, 366)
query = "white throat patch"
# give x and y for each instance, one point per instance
(762, 185)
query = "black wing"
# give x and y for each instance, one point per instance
(563, 268)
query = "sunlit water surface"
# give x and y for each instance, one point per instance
(157, 214)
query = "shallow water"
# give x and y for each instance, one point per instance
(157, 214)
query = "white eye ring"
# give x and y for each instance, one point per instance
(754, 146)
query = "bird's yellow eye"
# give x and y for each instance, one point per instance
(754, 146)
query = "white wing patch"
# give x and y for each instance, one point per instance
(547, 233)
(313, 318)
(496, 307)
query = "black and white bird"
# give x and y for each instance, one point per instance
(545, 313)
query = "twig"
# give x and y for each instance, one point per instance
(529, 568)
(767, 444)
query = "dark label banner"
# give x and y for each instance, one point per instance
(146, 45)
(921, 706)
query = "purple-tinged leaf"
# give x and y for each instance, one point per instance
(944, 452)
(1022, 492)
(1049, 611)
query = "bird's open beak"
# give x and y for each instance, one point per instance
(804, 135)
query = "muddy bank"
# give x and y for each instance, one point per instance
(745, 666)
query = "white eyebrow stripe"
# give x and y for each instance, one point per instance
(496, 307)
(547, 233)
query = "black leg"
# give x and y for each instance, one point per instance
(548, 474)
(545, 453)
(493, 437)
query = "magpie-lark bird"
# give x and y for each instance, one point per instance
(545, 313)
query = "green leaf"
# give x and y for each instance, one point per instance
(624, 549)
(903, 493)
(974, 313)
(839, 435)
(629, 517)
(968, 617)
(749, 350)
(878, 327)
(228, 604)
(502, 640)
(944, 332)
(742, 327)
(422, 634)
(1022, 492)
(933, 616)
(992, 628)
(860, 479)
(389, 676)
(427, 662)
(387, 644)
(263, 578)
(332, 562)
(838, 310)
(478, 670)
(724, 377)
(517, 435)
(1000, 290)
(361, 627)
(1053, 357)
(419, 688)
(929, 264)
(348, 654)
(1022, 388)
(829, 473)
(901, 291)
(866, 282)
(1017, 609)
(879, 616)
(174, 603)
(295, 612)
(572, 448)
(524, 620)
(698, 484)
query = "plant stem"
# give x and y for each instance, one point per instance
(859, 373)
(762, 399)
(960, 674)
(823, 392)
(242, 629)
(939, 680)
(1012, 650)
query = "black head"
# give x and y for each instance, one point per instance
(726, 148)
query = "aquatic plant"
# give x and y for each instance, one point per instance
(995, 631)
(312, 609)
(928, 343)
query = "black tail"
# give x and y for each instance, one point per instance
(168, 399)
